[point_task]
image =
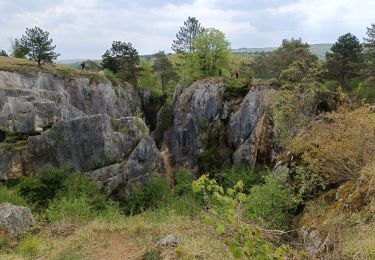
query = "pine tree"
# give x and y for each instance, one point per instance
(345, 58)
(185, 37)
(38, 46)
(164, 69)
(122, 59)
(369, 51)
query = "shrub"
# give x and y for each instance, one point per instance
(41, 190)
(225, 208)
(78, 185)
(11, 196)
(270, 204)
(183, 180)
(230, 176)
(70, 209)
(112, 77)
(337, 146)
(30, 247)
(155, 193)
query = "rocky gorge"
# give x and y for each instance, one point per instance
(50, 119)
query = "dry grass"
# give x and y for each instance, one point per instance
(25, 66)
(126, 238)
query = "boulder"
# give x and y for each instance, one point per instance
(169, 240)
(15, 219)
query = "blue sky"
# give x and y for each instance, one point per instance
(86, 28)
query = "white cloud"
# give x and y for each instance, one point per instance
(87, 28)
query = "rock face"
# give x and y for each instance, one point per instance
(239, 129)
(15, 219)
(55, 121)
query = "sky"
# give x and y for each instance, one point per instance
(86, 28)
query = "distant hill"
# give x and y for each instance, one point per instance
(317, 49)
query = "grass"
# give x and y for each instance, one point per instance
(26, 66)
(126, 237)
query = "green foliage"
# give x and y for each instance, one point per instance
(213, 51)
(289, 52)
(141, 126)
(38, 45)
(164, 70)
(11, 196)
(227, 178)
(271, 204)
(29, 247)
(153, 254)
(39, 191)
(112, 77)
(236, 88)
(154, 194)
(165, 116)
(344, 60)
(186, 35)
(5, 242)
(70, 209)
(18, 51)
(183, 180)
(78, 185)
(225, 209)
(148, 80)
(122, 59)
(369, 53)
(188, 67)
(209, 160)
(3, 53)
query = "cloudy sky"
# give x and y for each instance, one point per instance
(86, 28)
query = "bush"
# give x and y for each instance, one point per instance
(39, 191)
(183, 180)
(11, 196)
(270, 204)
(78, 185)
(229, 177)
(155, 193)
(30, 247)
(70, 209)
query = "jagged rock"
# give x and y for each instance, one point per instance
(15, 219)
(194, 109)
(204, 121)
(144, 161)
(169, 240)
(248, 124)
(73, 121)
(31, 102)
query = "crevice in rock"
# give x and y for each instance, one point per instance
(3, 136)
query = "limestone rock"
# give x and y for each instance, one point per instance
(15, 219)
(168, 240)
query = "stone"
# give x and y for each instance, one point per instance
(15, 219)
(169, 240)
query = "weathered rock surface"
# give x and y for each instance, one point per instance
(57, 121)
(205, 121)
(14, 219)
(195, 108)
(168, 240)
(31, 102)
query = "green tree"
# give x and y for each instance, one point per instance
(213, 51)
(164, 69)
(345, 58)
(122, 59)
(186, 35)
(17, 50)
(369, 51)
(289, 52)
(3, 53)
(188, 67)
(38, 46)
(147, 79)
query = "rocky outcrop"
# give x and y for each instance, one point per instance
(14, 219)
(54, 120)
(32, 102)
(238, 130)
(194, 109)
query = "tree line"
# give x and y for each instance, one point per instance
(202, 52)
